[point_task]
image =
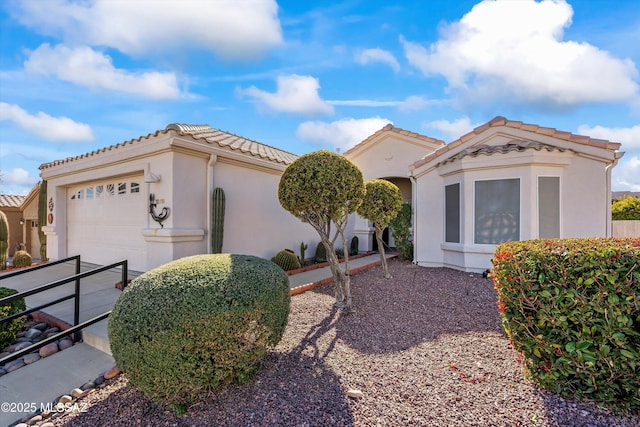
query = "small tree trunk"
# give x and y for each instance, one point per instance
(341, 280)
(383, 258)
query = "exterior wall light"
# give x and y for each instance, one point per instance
(151, 178)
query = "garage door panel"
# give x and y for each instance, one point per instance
(105, 221)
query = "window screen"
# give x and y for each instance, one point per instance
(452, 213)
(497, 211)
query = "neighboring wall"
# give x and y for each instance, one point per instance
(623, 228)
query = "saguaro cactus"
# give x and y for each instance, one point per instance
(217, 220)
(42, 219)
(4, 241)
(303, 248)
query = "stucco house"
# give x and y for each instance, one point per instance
(505, 180)
(22, 215)
(99, 202)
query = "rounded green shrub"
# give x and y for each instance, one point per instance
(198, 323)
(22, 259)
(8, 330)
(287, 260)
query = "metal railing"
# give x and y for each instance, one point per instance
(47, 264)
(77, 326)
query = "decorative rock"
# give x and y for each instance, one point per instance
(113, 372)
(4, 354)
(35, 420)
(21, 425)
(49, 349)
(33, 333)
(41, 326)
(13, 365)
(21, 346)
(76, 392)
(22, 339)
(355, 393)
(64, 399)
(20, 334)
(98, 380)
(88, 386)
(30, 358)
(54, 329)
(64, 344)
(47, 424)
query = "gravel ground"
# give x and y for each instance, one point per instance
(425, 349)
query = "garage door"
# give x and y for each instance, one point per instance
(105, 221)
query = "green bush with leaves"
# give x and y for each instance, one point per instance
(8, 330)
(381, 204)
(572, 307)
(198, 323)
(627, 208)
(400, 227)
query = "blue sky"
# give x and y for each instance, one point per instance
(76, 76)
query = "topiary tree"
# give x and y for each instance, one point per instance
(8, 330)
(627, 208)
(381, 204)
(322, 188)
(198, 323)
(400, 227)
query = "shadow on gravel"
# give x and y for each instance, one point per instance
(293, 389)
(417, 305)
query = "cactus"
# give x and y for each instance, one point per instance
(286, 259)
(4, 241)
(42, 219)
(22, 259)
(353, 250)
(217, 220)
(321, 253)
(303, 248)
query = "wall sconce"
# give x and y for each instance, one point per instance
(151, 178)
(164, 213)
(21, 221)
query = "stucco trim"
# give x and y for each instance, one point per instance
(173, 235)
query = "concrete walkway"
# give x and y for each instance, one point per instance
(48, 378)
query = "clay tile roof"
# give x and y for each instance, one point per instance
(201, 132)
(502, 121)
(11, 201)
(514, 145)
(234, 142)
(391, 128)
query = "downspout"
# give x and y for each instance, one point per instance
(213, 158)
(609, 226)
(414, 220)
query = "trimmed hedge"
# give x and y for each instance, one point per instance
(198, 323)
(8, 330)
(572, 307)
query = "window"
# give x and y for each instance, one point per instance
(134, 187)
(452, 213)
(110, 189)
(99, 190)
(122, 188)
(90, 193)
(548, 207)
(81, 194)
(34, 224)
(497, 211)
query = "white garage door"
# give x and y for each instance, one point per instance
(105, 221)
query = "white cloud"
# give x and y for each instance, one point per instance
(377, 55)
(87, 67)
(295, 94)
(416, 103)
(343, 133)
(513, 51)
(17, 181)
(45, 126)
(628, 137)
(626, 175)
(452, 130)
(364, 103)
(231, 29)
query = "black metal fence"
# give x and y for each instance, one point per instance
(77, 326)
